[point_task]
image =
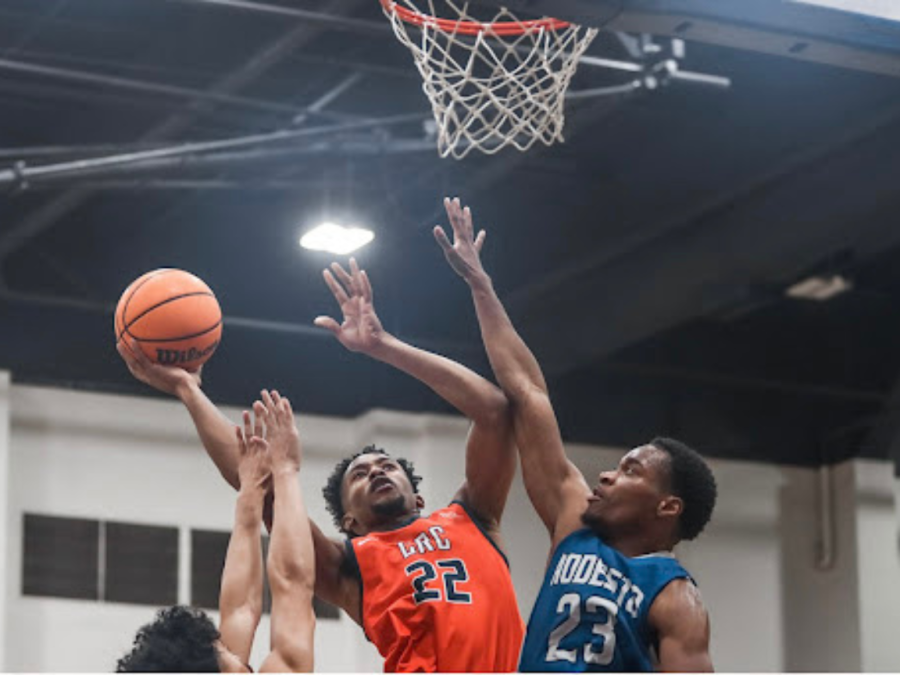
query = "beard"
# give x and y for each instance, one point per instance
(390, 508)
(594, 522)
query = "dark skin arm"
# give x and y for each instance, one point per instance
(681, 624)
(557, 489)
(490, 450)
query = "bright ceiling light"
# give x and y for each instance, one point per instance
(335, 238)
(819, 288)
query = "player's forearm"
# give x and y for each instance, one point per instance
(292, 571)
(215, 430)
(514, 365)
(291, 553)
(467, 391)
(242, 577)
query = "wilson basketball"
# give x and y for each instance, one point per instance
(173, 316)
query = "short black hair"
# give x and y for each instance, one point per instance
(180, 640)
(333, 490)
(693, 482)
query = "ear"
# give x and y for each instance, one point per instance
(348, 522)
(420, 502)
(670, 507)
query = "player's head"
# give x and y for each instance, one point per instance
(371, 488)
(662, 492)
(180, 640)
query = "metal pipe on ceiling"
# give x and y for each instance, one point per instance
(174, 184)
(321, 18)
(39, 94)
(21, 174)
(100, 79)
(351, 147)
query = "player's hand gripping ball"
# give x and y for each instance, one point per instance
(172, 316)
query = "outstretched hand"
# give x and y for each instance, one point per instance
(361, 330)
(281, 432)
(254, 463)
(465, 251)
(167, 379)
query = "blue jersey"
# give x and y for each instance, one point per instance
(591, 614)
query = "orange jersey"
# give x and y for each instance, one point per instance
(437, 596)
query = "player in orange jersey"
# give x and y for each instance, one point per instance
(433, 593)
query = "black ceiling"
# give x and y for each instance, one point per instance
(644, 260)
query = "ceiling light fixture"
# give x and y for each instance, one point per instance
(335, 238)
(819, 288)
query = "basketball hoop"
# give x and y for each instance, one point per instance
(491, 83)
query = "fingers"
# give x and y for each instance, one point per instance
(286, 405)
(248, 429)
(259, 414)
(267, 401)
(442, 239)
(127, 356)
(452, 208)
(467, 222)
(345, 278)
(328, 323)
(337, 290)
(132, 354)
(460, 219)
(139, 356)
(479, 240)
(366, 287)
(356, 277)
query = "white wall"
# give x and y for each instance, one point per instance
(137, 460)
(878, 560)
(736, 562)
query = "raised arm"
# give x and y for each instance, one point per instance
(240, 597)
(217, 436)
(681, 624)
(490, 451)
(292, 566)
(555, 486)
(215, 430)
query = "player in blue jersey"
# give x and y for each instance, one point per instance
(614, 597)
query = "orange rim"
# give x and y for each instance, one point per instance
(501, 28)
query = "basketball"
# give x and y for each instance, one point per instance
(173, 316)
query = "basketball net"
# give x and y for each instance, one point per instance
(491, 83)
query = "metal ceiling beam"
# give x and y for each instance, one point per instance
(22, 174)
(7, 17)
(779, 27)
(328, 19)
(662, 277)
(179, 184)
(147, 87)
(40, 94)
(48, 214)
